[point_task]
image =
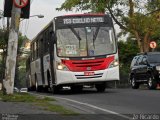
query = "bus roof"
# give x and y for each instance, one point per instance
(69, 15)
(86, 14)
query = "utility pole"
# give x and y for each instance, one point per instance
(8, 82)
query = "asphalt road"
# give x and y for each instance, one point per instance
(123, 103)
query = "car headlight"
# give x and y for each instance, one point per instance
(114, 64)
(61, 66)
(158, 68)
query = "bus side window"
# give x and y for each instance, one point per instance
(46, 41)
(42, 46)
(37, 48)
(31, 52)
(52, 37)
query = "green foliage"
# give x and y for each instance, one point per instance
(96, 6)
(47, 103)
(17, 97)
(153, 5)
(127, 50)
(3, 45)
(130, 15)
(3, 38)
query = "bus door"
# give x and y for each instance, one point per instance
(51, 51)
(41, 59)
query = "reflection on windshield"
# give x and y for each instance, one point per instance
(86, 41)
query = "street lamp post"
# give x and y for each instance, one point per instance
(39, 16)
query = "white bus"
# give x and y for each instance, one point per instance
(74, 50)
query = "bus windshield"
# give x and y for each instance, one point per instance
(85, 41)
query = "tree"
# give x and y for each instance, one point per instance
(127, 50)
(130, 15)
(3, 46)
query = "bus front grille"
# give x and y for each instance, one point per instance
(88, 65)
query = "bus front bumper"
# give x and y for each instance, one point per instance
(68, 77)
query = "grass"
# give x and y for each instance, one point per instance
(46, 103)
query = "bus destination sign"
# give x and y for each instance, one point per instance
(82, 21)
(67, 21)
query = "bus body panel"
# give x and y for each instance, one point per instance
(36, 72)
(46, 64)
(70, 77)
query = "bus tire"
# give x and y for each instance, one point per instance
(49, 87)
(37, 87)
(28, 79)
(100, 87)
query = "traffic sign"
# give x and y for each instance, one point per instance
(20, 3)
(153, 44)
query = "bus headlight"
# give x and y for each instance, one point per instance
(114, 64)
(61, 66)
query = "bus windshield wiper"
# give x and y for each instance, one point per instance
(75, 33)
(95, 36)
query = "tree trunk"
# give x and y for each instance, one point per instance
(139, 41)
(146, 42)
(12, 51)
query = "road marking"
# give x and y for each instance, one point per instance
(89, 105)
(95, 107)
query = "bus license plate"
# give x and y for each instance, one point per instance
(88, 73)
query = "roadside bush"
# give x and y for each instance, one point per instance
(127, 50)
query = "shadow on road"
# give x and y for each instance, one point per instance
(85, 91)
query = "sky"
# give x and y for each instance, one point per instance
(32, 26)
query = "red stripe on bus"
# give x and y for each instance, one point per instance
(88, 65)
(87, 14)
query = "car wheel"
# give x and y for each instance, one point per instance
(134, 84)
(152, 84)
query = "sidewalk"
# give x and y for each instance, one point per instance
(28, 111)
(21, 108)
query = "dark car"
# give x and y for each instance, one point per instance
(145, 69)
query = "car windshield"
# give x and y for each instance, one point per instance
(154, 58)
(85, 41)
